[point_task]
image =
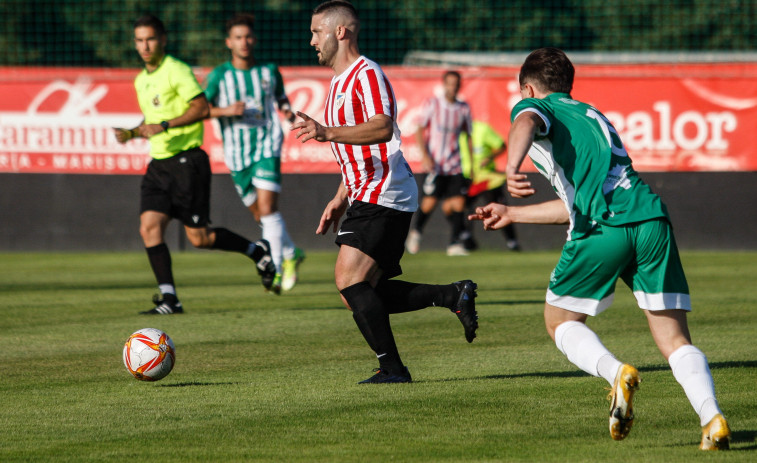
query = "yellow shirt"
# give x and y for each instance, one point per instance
(485, 140)
(164, 94)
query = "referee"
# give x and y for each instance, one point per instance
(177, 181)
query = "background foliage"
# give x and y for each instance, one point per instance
(98, 32)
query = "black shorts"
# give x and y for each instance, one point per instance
(445, 186)
(179, 187)
(379, 232)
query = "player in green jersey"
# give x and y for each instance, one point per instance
(244, 95)
(617, 228)
(177, 181)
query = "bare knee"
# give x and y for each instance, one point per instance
(200, 237)
(152, 234)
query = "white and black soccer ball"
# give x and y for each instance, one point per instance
(149, 354)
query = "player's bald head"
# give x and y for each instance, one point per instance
(339, 13)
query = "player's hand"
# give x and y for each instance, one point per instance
(308, 129)
(331, 215)
(494, 216)
(519, 186)
(235, 109)
(123, 135)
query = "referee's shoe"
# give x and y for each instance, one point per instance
(167, 305)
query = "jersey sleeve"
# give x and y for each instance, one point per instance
(185, 82)
(533, 105)
(375, 93)
(212, 87)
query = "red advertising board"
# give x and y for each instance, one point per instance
(694, 117)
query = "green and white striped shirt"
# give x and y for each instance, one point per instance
(257, 133)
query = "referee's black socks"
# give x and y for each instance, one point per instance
(160, 262)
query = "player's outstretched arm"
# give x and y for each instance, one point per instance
(232, 110)
(495, 216)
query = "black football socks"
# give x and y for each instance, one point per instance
(402, 296)
(373, 322)
(160, 261)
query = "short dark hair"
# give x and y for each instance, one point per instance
(241, 19)
(452, 73)
(549, 69)
(335, 5)
(153, 21)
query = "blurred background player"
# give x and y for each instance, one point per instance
(486, 183)
(441, 121)
(243, 95)
(177, 181)
(618, 228)
(378, 194)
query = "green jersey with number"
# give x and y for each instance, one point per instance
(581, 155)
(257, 133)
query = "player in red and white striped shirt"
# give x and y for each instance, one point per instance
(440, 124)
(378, 194)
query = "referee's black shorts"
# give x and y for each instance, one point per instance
(179, 186)
(379, 232)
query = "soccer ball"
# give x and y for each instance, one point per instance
(149, 354)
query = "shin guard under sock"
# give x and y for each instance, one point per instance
(227, 240)
(373, 322)
(160, 261)
(403, 296)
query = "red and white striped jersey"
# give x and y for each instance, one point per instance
(444, 121)
(376, 174)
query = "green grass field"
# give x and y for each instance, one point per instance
(266, 378)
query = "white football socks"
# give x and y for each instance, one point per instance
(166, 288)
(583, 349)
(275, 232)
(690, 369)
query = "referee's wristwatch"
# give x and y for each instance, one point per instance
(164, 124)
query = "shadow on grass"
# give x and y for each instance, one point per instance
(537, 301)
(194, 383)
(713, 365)
(311, 308)
(579, 373)
(745, 437)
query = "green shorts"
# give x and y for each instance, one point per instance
(643, 254)
(264, 174)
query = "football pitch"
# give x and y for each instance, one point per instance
(266, 378)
